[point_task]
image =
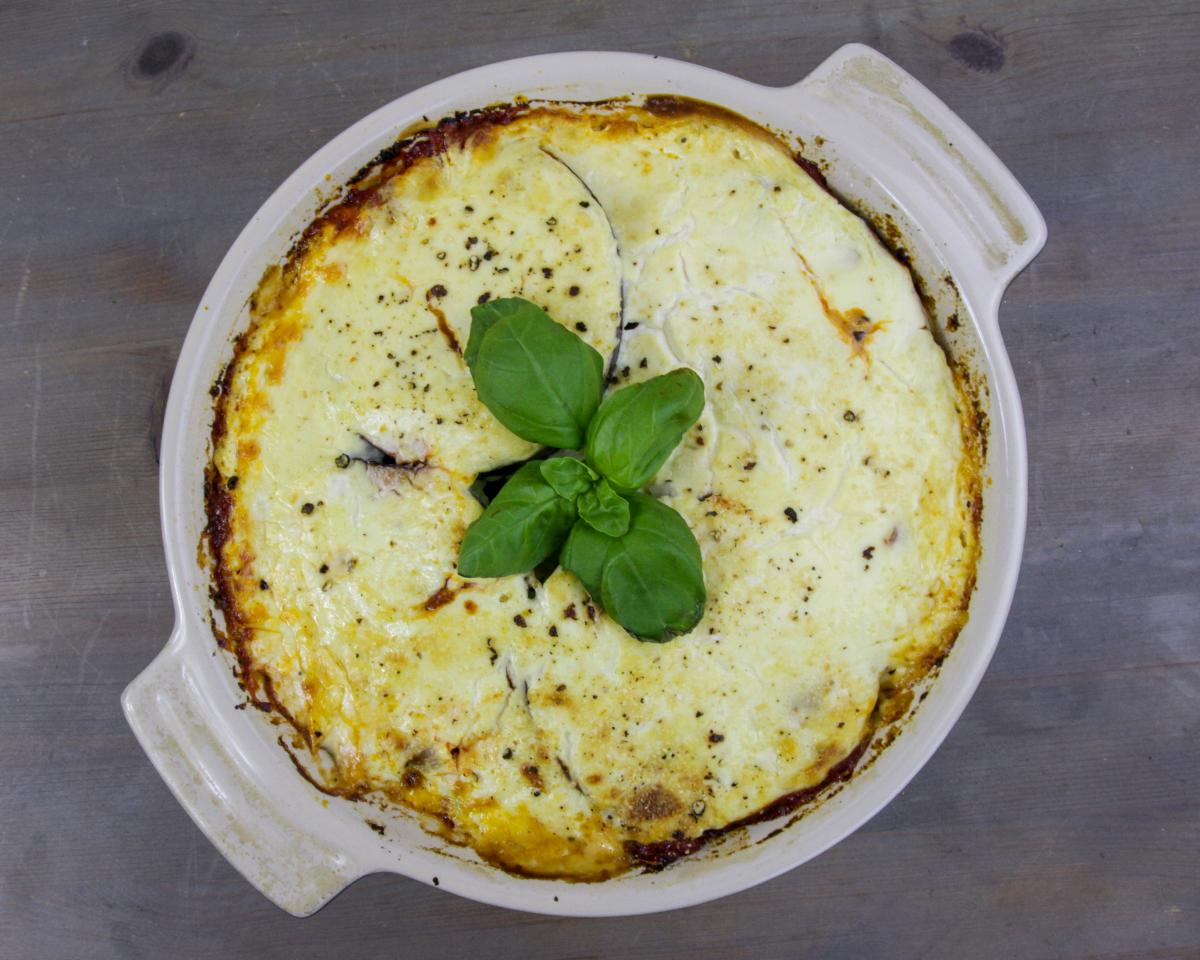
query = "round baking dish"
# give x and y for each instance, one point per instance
(889, 147)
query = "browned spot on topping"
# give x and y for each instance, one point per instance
(519, 620)
(852, 325)
(451, 340)
(594, 778)
(569, 612)
(722, 501)
(531, 773)
(714, 737)
(891, 537)
(421, 758)
(377, 827)
(893, 706)
(653, 803)
(868, 553)
(442, 596)
(412, 778)
(469, 606)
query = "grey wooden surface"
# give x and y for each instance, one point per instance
(1062, 816)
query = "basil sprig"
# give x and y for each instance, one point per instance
(634, 555)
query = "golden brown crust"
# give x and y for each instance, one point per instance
(280, 283)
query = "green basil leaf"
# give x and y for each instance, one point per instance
(638, 426)
(537, 377)
(650, 579)
(521, 527)
(651, 582)
(569, 477)
(483, 318)
(585, 553)
(604, 509)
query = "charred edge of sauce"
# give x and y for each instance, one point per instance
(364, 188)
(268, 689)
(430, 141)
(669, 106)
(218, 508)
(655, 856)
(218, 502)
(258, 686)
(973, 389)
(346, 793)
(809, 167)
(840, 772)
(890, 238)
(221, 387)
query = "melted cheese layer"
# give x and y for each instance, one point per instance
(831, 482)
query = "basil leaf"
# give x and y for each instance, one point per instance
(522, 526)
(585, 553)
(537, 377)
(651, 582)
(605, 509)
(569, 477)
(483, 318)
(638, 426)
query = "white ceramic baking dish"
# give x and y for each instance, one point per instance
(893, 148)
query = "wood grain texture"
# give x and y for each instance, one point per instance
(1061, 819)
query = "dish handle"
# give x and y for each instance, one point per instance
(988, 227)
(173, 721)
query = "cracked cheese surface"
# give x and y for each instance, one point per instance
(829, 483)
